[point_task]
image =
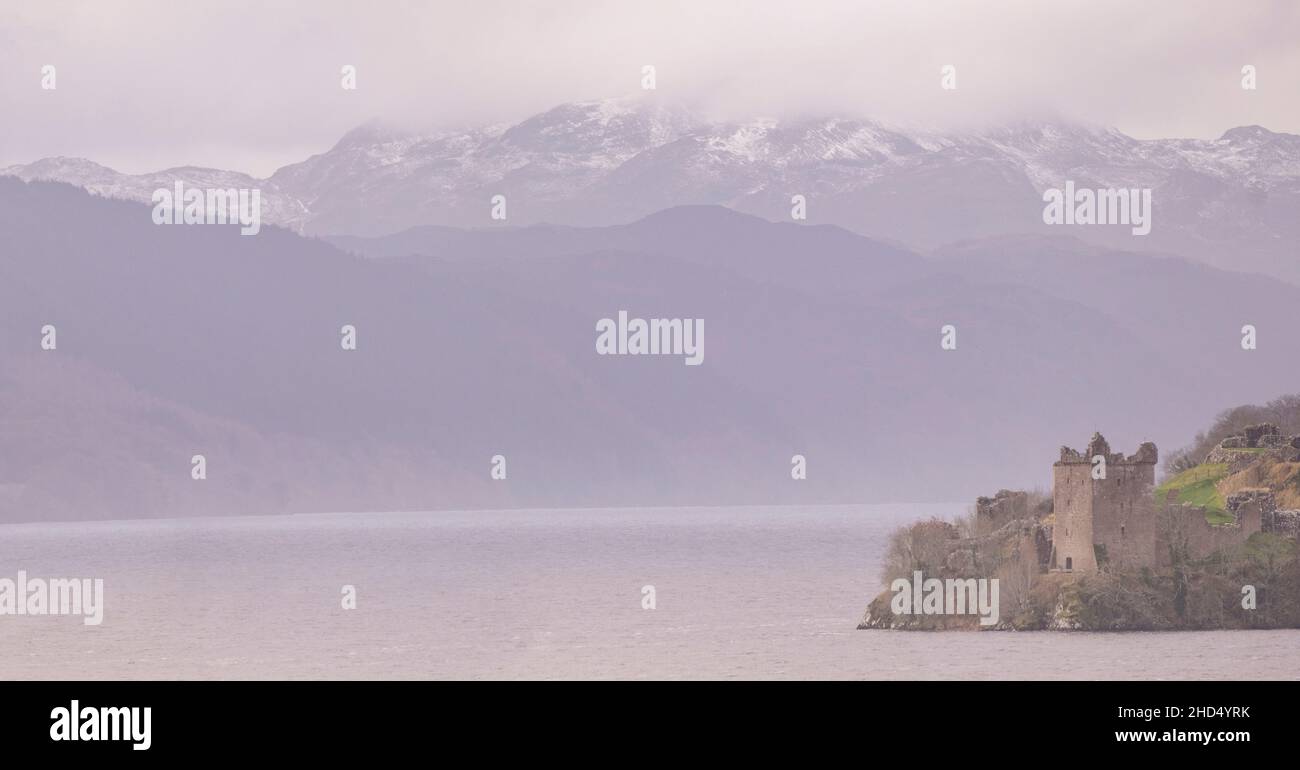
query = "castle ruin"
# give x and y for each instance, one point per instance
(1103, 520)
(1106, 513)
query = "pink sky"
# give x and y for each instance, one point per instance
(252, 86)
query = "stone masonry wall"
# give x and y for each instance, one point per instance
(1072, 509)
(1183, 530)
(992, 513)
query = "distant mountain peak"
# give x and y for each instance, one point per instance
(372, 131)
(1247, 133)
(56, 167)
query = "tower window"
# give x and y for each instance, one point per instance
(1069, 563)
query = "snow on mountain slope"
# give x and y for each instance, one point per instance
(1233, 202)
(277, 207)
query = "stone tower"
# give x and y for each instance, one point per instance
(1103, 519)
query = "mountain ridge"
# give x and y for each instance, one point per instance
(1232, 202)
(819, 342)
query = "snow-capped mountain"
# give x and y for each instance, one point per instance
(1233, 202)
(277, 206)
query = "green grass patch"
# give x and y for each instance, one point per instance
(1197, 487)
(1218, 517)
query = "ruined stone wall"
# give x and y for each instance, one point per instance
(1235, 459)
(1182, 530)
(1123, 515)
(1254, 433)
(1278, 441)
(1262, 436)
(1072, 510)
(1285, 523)
(1251, 506)
(992, 513)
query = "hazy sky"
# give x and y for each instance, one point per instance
(147, 84)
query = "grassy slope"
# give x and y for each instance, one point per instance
(1280, 476)
(1198, 487)
(1205, 484)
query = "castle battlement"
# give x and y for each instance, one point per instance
(1098, 446)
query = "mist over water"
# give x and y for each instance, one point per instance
(760, 592)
